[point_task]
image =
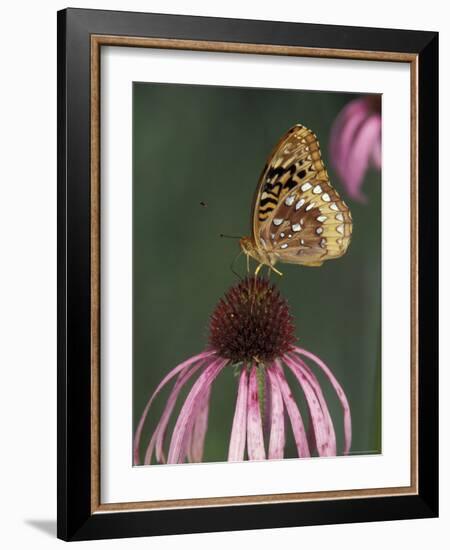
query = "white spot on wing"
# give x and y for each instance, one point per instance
(317, 190)
(306, 186)
(300, 203)
(340, 229)
(339, 217)
(285, 245)
(290, 200)
(326, 197)
(319, 230)
(321, 218)
(278, 221)
(334, 207)
(296, 227)
(311, 205)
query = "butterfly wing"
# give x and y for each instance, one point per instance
(298, 217)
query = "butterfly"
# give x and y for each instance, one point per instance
(297, 216)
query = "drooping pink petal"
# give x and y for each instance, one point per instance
(157, 440)
(359, 156)
(310, 434)
(343, 132)
(277, 436)
(339, 391)
(255, 439)
(197, 443)
(164, 381)
(189, 439)
(376, 154)
(298, 428)
(267, 412)
(238, 432)
(323, 426)
(312, 379)
(181, 435)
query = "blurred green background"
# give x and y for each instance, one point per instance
(194, 144)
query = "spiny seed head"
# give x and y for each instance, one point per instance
(252, 322)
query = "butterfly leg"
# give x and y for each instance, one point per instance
(257, 270)
(272, 268)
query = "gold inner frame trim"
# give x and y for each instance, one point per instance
(97, 41)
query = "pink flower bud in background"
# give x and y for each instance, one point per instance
(355, 143)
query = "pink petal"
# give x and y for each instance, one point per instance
(376, 154)
(184, 424)
(318, 390)
(310, 434)
(343, 131)
(197, 443)
(323, 426)
(267, 412)
(340, 393)
(237, 440)
(189, 442)
(255, 439)
(164, 381)
(360, 155)
(158, 436)
(298, 427)
(277, 437)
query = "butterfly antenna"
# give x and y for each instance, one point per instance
(229, 236)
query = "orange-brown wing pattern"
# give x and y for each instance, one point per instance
(298, 216)
(310, 225)
(295, 159)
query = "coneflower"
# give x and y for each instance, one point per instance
(252, 329)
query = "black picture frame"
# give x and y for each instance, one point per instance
(76, 519)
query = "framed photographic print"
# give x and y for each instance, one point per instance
(247, 274)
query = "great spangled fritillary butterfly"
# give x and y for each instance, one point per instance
(297, 216)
